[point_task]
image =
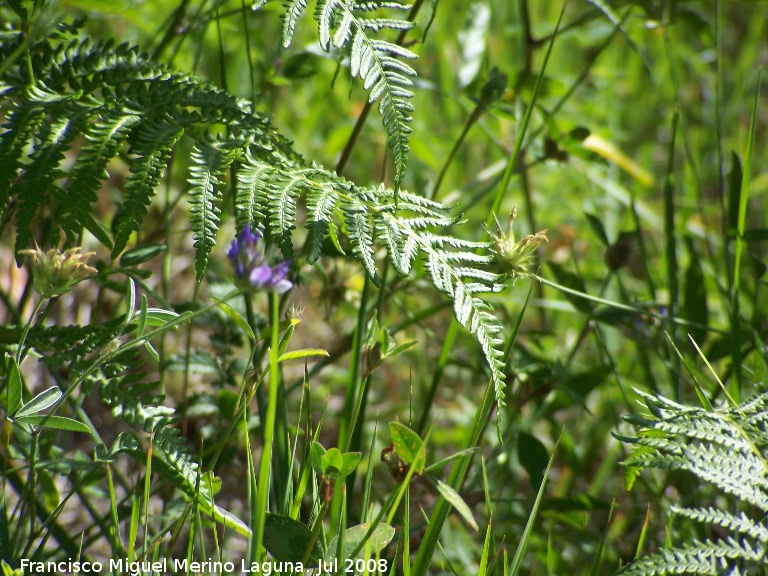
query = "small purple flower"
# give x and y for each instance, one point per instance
(247, 258)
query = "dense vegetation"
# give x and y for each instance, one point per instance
(436, 288)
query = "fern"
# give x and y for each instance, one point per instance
(126, 105)
(367, 215)
(725, 447)
(343, 25)
(111, 95)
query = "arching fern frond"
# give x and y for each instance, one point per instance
(112, 96)
(726, 447)
(345, 26)
(367, 217)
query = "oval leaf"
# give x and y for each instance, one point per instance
(141, 254)
(40, 402)
(58, 422)
(455, 500)
(14, 384)
(302, 354)
(288, 539)
(354, 536)
(408, 445)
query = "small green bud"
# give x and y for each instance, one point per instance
(55, 272)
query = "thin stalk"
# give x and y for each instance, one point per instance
(262, 489)
(521, 131)
(25, 332)
(671, 254)
(736, 355)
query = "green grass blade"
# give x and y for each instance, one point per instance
(735, 388)
(517, 559)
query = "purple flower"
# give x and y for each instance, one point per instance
(251, 267)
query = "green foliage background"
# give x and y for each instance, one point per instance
(643, 158)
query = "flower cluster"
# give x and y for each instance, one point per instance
(55, 272)
(247, 257)
(516, 258)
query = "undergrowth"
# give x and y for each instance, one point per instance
(220, 354)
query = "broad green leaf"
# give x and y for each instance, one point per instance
(40, 402)
(212, 482)
(353, 537)
(14, 384)
(533, 457)
(288, 539)
(332, 463)
(49, 490)
(400, 348)
(316, 455)
(351, 460)
(229, 520)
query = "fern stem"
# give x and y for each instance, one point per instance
(346, 154)
(170, 32)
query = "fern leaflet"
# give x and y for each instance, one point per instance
(378, 63)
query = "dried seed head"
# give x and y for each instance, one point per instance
(55, 272)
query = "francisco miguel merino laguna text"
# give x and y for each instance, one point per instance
(141, 568)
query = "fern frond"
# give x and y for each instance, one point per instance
(139, 404)
(723, 447)
(21, 126)
(368, 219)
(717, 558)
(321, 207)
(359, 228)
(344, 25)
(250, 196)
(210, 160)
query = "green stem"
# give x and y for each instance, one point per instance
(473, 117)
(262, 490)
(25, 332)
